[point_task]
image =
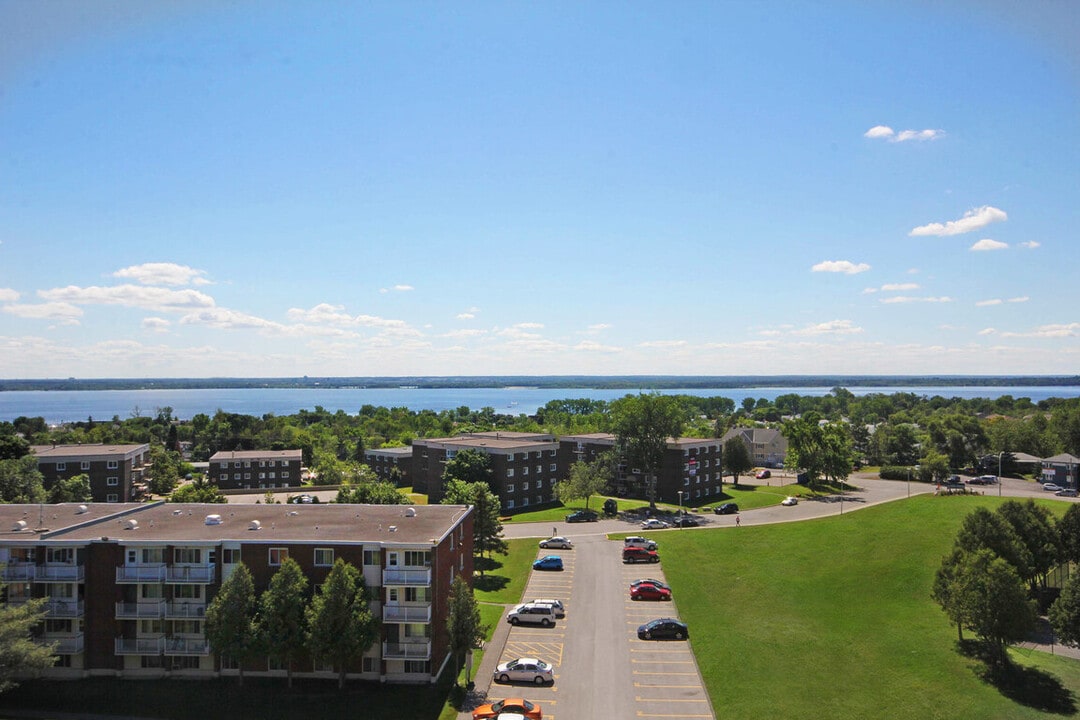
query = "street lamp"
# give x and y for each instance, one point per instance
(1000, 454)
(680, 503)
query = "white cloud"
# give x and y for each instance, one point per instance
(832, 327)
(464, 332)
(591, 346)
(664, 344)
(879, 131)
(465, 316)
(163, 274)
(327, 314)
(1030, 244)
(1050, 331)
(529, 325)
(146, 298)
(599, 327)
(884, 132)
(156, 324)
(1019, 299)
(8, 295)
(987, 303)
(869, 291)
(899, 287)
(988, 331)
(404, 288)
(988, 244)
(840, 266)
(973, 220)
(900, 299)
(61, 312)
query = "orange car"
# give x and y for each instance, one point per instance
(509, 705)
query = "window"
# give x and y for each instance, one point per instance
(278, 556)
(112, 465)
(525, 470)
(236, 476)
(552, 467)
(525, 502)
(247, 463)
(686, 482)
(262, 476)
(247, 476)
(60, 467)
(525, 485)
(551, 453)
(84, 465)
(373, 557)
(187, 556)
(224, 476)
(539, 469)
(273, 475)
(186, 627)
(151, 627)
(236, 464)
(151, 591)
(417, 594)
(324, 557)
(285, 474)
(510, 488)
(416, 666)
(113, 481)
(392, 595)
(369, 664)
(510, 472)
(509, 504)
(60, 555)
(112, 497)
(418, 558)
(187, 592)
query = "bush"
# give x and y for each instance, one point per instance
(898, 472)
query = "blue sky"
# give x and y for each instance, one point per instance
(282, 189)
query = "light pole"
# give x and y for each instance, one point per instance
(909, 481)
(1000, 454)
(680, 504)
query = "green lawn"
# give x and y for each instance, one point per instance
(505, 576)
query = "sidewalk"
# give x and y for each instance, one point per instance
(482, 673)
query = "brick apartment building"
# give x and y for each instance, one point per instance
(128, 584)
(249, 469)
(392, 464)
(113, 469)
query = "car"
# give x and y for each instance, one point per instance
(1051, 487)
(726, 509)
(654, 524)
(557, 542)
(975, 481)
(789, 501)
(953, 479)
(686, 521)
(638, 541)
(521, 706)
(548, 562)
(582, 516)
(532, 614)
(650, 581)
(639, 554)
(662, 628)
(763, 475)
(524, 670)
(1066, 492)
(648, 591)
(560, 609)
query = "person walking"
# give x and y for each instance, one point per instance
(738, 521)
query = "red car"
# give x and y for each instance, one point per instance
(647, 591)
(509, 705)
(763, 475)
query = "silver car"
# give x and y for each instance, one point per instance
(524, 670)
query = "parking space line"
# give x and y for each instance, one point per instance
(646, 672)
(670, 700)
(651, 685)
(644, 714)
(662, 662)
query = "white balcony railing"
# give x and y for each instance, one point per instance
(140, 646)
(140, 573)
(18, 572)
(203, 574)
(407, 650)
(407, 613)
(64, 644)
(187, 646)
(59, 573)
(185, 610)
(65, 608)
(403, 576)
(140, 610)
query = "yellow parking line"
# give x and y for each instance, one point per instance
(643, 714)
(663, 662)
(646, 672)
(651, 685)
(670, 700)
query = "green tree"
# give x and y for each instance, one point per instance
(20, 654)
(587, 479)
(1065, 612)
(463, 622)
(1069, 534)
(281, 618)
(984, 530)
(21, 481)
(820, 451)
(1035, 530)
(643, 424)
(198, 491)
(341, 625)
(165, 469)
(12, 447)
(487, 527)
(737, 459)
(71, 490)
(933, 467)
(230, 619)
(469, 466)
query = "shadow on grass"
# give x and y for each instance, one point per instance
(1027, 686)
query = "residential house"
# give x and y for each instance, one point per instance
(250, 469)
(113, 470)
(767, 446)
(1063, 470)
(393, 464)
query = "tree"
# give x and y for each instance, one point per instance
(463, 621)
(469, 466)
(72, 489)
(587, 478)
(1069, 533)
(20, 654)
(933, 467)
(643, 424)
(282, 615)
(365, 487)
(984, 530)
(821, 451)
(341, 625)
(13, 447)
(1065, 612)
(487, 527)
(737, 459)
(198, 491)
(1034, 527)
(21, 481)
(230, 619)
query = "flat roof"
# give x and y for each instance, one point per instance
(404, 450)
(254, 454)
(487, 442)
(64, 452)
(309, 524)
(44, 521)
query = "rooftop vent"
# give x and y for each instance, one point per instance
(255, 525)
(81, 509)
(131, 524)
(19, 526)
(393, 528)
(410, 512)
(213, 519)
(177, 512)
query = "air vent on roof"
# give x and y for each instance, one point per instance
(255, 525)
(81, 509)
(410, 512)
(393, 528)
(19, 526)
(213, 519)
(131, 524)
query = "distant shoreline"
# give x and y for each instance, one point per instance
(629, 382)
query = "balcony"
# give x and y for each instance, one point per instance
(65, 608)
(140, 611)
(141, 573)
(59, 573)
(187, 646)
(64, 644)
(18, 572)
(140, 646)
(407, 650)
(184, 610)
(411, 576)
(420, 613)
(201, 574)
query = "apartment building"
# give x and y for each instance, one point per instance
(255, 469)
(392, 464)
(128, 585)
(767, 446)
(113, 469)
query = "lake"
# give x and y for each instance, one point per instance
(58, 406)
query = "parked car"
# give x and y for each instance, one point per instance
(499, 709)
(548, 562)
(1051, 487)
(686, 521)
(650, 581)
(654, 524)
(557, 542)
(663, 628)
(726, 509)
(639, 554)
(648, 591)
(763, 475)
(1066, 492)
(532, 614)
(638, 541)
(560, 609)
(789, 501)
(524, 670)
(582, 516)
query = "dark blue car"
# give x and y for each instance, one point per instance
(548, 562)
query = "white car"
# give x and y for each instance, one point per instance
(638, 541)
(560, 609)
(654, 524)
(557, 542)
(524, 670)
(1051, 487)
(532, 614)
(789, 501)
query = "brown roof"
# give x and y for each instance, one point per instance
(68, 452)
(489, 443)
(254, 454)
(46, 520)
(330, 523)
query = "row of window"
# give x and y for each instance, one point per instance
(247, 475)
(510, 504)
(85, 465)
(262, 463)
(324, 557)
(539, 483)
(539, 469)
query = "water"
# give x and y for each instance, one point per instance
(58, 406)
